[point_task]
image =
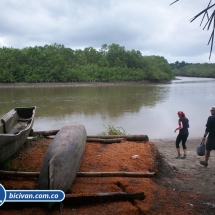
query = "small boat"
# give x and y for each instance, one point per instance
(63, 158)
(15, 127)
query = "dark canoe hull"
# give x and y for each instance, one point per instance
(63, 158)
(15, 127)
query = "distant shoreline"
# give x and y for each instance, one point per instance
(74, 84)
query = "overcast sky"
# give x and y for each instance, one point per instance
(150, 26)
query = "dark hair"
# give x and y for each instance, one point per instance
(181, 114)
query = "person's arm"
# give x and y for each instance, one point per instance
(205, 134)
(180, 126)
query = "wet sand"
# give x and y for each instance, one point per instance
(192, 176)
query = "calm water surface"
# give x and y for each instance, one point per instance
(139, 109)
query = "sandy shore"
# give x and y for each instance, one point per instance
(191, 175)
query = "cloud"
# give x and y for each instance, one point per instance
(153, 27)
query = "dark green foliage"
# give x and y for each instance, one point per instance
(56, 63)
(193, 70)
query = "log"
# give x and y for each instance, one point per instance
(71, 200)
(126, 137)
(83, 174)
(117, 174)
(44, 133)
(114, 140)
(19, 174)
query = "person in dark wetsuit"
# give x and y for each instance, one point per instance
(210, 131)
(183, 125)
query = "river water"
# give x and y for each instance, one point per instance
(149, 109)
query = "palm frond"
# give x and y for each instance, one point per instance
(206, 13)
(212, 38)
(208, 22)
(206, 9)
(174, 2)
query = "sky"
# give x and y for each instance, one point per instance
(151, 26)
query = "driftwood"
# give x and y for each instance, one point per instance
(114, 140)
(44, 133)
(96, 137)
(126, 137)
(71, 200)
(83, 174)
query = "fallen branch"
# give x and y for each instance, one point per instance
(83, 174)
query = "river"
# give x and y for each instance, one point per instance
(149, 109)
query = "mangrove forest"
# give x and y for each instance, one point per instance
(57, 63)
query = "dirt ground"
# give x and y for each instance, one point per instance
(180, 187)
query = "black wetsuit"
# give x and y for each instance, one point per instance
(210, 127)
(183, 133)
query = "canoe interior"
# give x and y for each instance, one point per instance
(16, 120)
(15, 127)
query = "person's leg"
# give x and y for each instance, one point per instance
(209, 147)
(207, 155)
(177, 142)
(184, 140)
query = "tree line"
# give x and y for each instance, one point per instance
(205, 70)
(57, 63)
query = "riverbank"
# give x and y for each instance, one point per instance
(192, 177)
(182, 186)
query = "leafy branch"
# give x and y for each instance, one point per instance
(209, 21)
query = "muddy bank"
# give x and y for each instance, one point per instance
(70, 84)
(192, 176)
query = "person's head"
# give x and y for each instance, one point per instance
(212, 109)
(181, 114)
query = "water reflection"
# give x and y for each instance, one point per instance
(108, 100)
(140, 109)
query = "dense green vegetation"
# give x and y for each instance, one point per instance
(193, 70)
(56, 63)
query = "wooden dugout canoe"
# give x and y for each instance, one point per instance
(15, 127)
(63, 158)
